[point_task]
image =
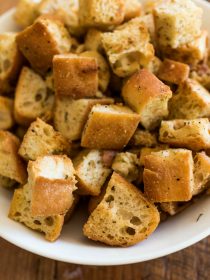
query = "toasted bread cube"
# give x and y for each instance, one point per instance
(128, 47)
(32, 98)
(201, 73)
(127, 165)
(190, 134)
(173, 208)
(41, 139)
(91, 171)
(173, 72)
(12, 169)
(42, 40)
(10, 61)
(168, 175)
(93, 40)
(52, 181)
(133, 8)
(103, 69)
(124, 217)
(101, 13)
(71, 115)
(26, 12)
(51, 226)
(147, 96)
(109, 127)
(6, 113)
(201, 173)
(75, 76)
(177, 22)
(143, 138)
(145, 151)
(191, 101)
(191, 53)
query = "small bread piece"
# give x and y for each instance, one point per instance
(124, 217)
(103, 69)
(26, 12)
(42, 40)
(148, 151)
(75, 76)
(32, 98)
(168, 175)
(109, 127)
(91, 171)
(143, 138)
(191, 53)
(51, 226)
(201, 73)
(201, 173)
(12, 169)
(191, 101)
(10, 61)
(173, 208)
(6, 113)
(147, 96)
(93, 40)
(71, 115)
(103, 14)
(173, 72)
(133, 8)
(190, 134)
(41, 139)
(128, 47)
(52, 181)
(127, 165)
(177, 22)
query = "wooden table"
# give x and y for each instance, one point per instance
(190, 264)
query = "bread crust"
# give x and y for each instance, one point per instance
(6, 113)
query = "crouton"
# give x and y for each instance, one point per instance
(93, 40)
(109, 127)
(145, 151)
(173, 72)
(41, 139)
(75, 76)
(71, 115)
(91, 171)
(128, 47)
(127, 165)
(143, 138)
(103, 69)
(32, 98)
(124, 217)
(51, 179)
(147, 96)
(148, 21)
(201, 73)
(51, 226)
(10, 61)
(177, 22)
(42, 40)
(201, 173)
(133, 8)
(191, 53)
(191, 101)
(26, 12)
(173, 208)
(190, 134)
(168, 175)
(6, 113)
(102, 14)
(12, 169)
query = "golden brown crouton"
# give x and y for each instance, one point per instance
(42, 40)
(109, 127)
(148, 151)
(173, 72)
(6, 113)
(124, 217)
(147, 96)
(75, 76)
(168, 175)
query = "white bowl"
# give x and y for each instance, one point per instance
(175, 234)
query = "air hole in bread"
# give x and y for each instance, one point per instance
(130, 231)
(179, 125)
(109, 236)
(38, 97)
(113, 188)
(135, 221)
(17, 214)
(36, 222)
(110, 198)
(49, 221)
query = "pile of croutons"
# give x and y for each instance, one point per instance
(105, 102)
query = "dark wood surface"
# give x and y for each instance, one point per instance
(190, 264)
